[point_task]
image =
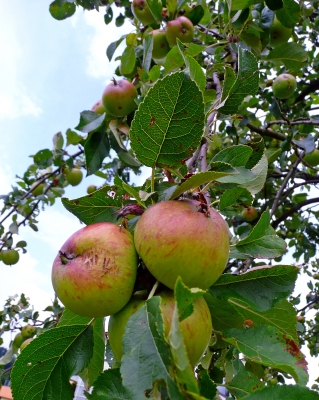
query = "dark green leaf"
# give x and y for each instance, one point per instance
(293, 55)
(284, 392)
(113, 46)
(274, 4)
(90, 121)
(109, 386)
(43, 158)
(61, 9)
(289, 14)
(128, 60)
(96, 148)
(244, 383)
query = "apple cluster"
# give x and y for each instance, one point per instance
(95, 271)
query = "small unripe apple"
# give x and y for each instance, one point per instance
(17, 341)
(10, 257)
(142, 12)
(312, 158)
(74, 176)
(119, 97)
(180, 28)
(98, 107)
(160, 44)
(91, 189)
(278, 33)
(284, 86)
(249, 214)
(25, 343)
(174, 238)
(196, 329)
(37, 189)
(94, 272)
(28, 331)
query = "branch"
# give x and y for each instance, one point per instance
(311, 87)
(266, 132)
(301, 122)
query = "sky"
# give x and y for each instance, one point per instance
(50, 72)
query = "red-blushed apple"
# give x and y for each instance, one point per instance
(118, 98)
(195, 329)
(98, 107)
(174, 238)
(142, 12)
(94, 272)
(284, 86)
(160, 44)
(25, 343)
(180, 28)
(249, 214)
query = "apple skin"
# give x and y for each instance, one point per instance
(10, 257)
(142, 12)
(17, 341)
(312, 158)
(196, 329)
(91, 189)
(28, 331)
(160, 44)
(25, 343)
(174, 239)
(119, 97)
(284, 86)
(249, 214)
(98, 108)
(94, 272)
(74, 176)
(37, 190)
(180, 28)
(278, 33)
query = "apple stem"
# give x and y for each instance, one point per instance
(153, 290)
(114, 81)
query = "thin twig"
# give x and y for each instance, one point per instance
(266, 132)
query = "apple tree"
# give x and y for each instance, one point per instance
(218, 99)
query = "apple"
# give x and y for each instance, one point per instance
(196, 329)
(180, 28)
(91, 189)
(278, 33)
(25, 343)
(98, 107)
(37, 189)
(119, 97)
(312, 158)
(94, 272)
(174, 239)
(284, 86)
(17, 341)
(249, 214)
(160, 44)
(10, 257)
(74, 176)
(28, 331)
(142, 12)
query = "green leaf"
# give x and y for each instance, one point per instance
(147, 52)
(99, 206)
(289, 14)
(260, 288)
(274, 4)
(168, 125)
(156, 9)
(113, 46)
(58, 141)
(62, 10)
(96, 148)
(195, 181)
(268, 346)
(146, 354)
(184, 298)
(109, 386)
(230, 197)
(262, 242)
(284, 392)
(255, 185)
(72, 137)
(243, 384)
(246, 83)
(128, 60)
(174, 58)
(69, 318)
(240, 4)
(236, 156)
(43, 369)
(208, 388)
(90, 121)
(293, 55)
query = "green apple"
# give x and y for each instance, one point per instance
(249, 214)
(17, 342)
(98, 107)
(142, 12)
(28, 331)
(174, 239)
(278, 33)
(94, 272)
(91, 189)
(284, 86)
(25, 343)
(312, 158)
(180, 28)
(37, 189)
(196, 329)
(10, 257)
(119, 97)
(74, 176)
(160, 44)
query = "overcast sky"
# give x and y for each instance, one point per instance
(50, 72)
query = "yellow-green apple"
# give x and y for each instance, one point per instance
(142, 12)
(312, 158)
(118, 98)
(94, 272)
(74, 176)
(284, 86)
(249, 214)
(37, 188)
(160, 44)
(10, 257)
(278, 33)
(196, 329)
(174, 238)
(28, 331)
(25, 343)
(17, 342)
(180, 28)
(98, 107)
(90, 189)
